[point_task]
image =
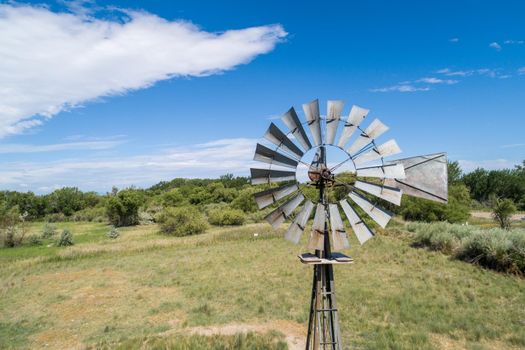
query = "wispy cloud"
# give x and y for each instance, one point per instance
(514, 42)
(13, 148)
(495, 46)
(457, 73)
(206, 160)
(454, 40)
(85, 58)
(513, 145)
(521, 70)
(488, 72)
(401, 88)
(432, 80)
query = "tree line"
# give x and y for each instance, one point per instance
(477, 189)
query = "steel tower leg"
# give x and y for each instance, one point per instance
(323, 322)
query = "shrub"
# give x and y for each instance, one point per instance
(66, 239)
(502, 210)
(493, 249)
(49, 230)
(498, 249)
(13, 226)
(56, 217)
(245, 201)
(34, 240)
(224, 217)
(123, 208)
(113, 233)
(96, 214)
(182, 221)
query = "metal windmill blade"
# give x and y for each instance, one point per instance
(355, 118)
(340, 240)
(311, 111)
(267, 176)
(384, 150)
(361, 230)
(278, 138)
(389, 171)
(380, 216)
(293, 123)
(318, 228)
(426, 177)
(373, 131)
(266, 155)
(421, 176)
(277, 217)
(388, 193)
(296, 229)
(334, 109)
(268, 197)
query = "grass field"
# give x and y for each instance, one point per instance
(145, 290)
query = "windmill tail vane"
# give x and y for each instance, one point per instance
(422, 176)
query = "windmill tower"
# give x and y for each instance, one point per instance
(374, 180)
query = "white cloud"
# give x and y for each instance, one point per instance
(55, 61)
(454, 40)
(495, 46)
(13, 148)
(451, 73)
(514, 42)
(492, 164)
(401, 88)
(521, 70)
(513, 145)
(205, 160)
(433, 80)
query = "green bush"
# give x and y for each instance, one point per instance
(66, 239)
(113, 233)
(245, 201)
(49, 230)
(498, 249)
(96, 214)
(34, 240)
(502, 210)
(223, 217)
(122, 209)
(182, 221)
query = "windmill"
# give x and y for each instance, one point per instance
(376, 181)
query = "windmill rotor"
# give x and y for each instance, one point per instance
(375, 179)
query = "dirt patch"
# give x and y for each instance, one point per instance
(488, 215)
(295, 333)
(445, 343)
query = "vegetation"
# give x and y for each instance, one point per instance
(113, 233)
(502, 210)
(182, 221)
(226, 216)
(506, 183)
(66, 239)
(392, 297)
(497, 249)
(123, 208)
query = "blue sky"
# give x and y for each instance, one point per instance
(95, 94)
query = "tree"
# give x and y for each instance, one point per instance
(123, 209)
(454, 172)
(502, 210)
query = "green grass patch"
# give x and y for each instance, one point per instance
(147, 290)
